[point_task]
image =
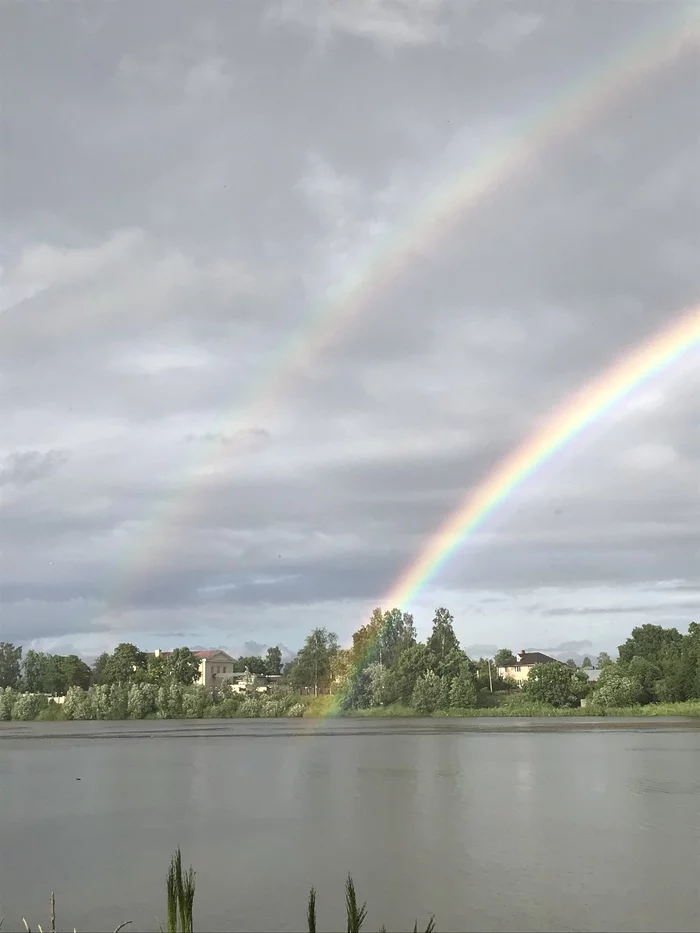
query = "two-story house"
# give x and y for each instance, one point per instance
(518, 666)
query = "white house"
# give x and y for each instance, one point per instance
(518, 666)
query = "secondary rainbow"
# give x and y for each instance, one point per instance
(567, 111)
(589, 404)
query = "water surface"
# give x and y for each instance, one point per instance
(503, 825)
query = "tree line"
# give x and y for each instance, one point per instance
(386, 666)
(55, 674)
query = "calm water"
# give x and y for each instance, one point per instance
(492, 825)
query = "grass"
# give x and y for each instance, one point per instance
(508, 706)
(180, 888)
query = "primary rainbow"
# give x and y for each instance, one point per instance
(568, 110)
(590, 403)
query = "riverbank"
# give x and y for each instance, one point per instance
(511, 707)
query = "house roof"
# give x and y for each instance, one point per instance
(204, 654)
(528, 658)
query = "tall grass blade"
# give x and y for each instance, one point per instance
(356, 916)
(311, 911)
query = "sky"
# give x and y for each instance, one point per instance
(185, 185)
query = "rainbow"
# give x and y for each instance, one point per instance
(588, 405)
(569, 110)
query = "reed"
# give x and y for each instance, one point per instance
(180, 889)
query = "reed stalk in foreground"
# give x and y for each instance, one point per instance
(180, 888)
(355, 915)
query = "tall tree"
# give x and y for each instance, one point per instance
(314, 661)
(76, 673)
(254, 663)
(502, 656)
(127, 664)
(34, 671)
(182, 666)
(603, 660)
(649, 642)
(442, 639)
(273, 660)
(10, 664)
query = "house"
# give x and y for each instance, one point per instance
(518, 667)
(216, 667)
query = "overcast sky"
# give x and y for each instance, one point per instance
(185, 184)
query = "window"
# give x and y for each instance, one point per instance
(518, 668)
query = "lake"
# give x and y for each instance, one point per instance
(503, 825)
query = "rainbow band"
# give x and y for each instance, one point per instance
(568, 111)
(592, 402)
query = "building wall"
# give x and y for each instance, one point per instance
(519, 673)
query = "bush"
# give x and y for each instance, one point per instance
(250, 708)
(27, 706)
(430, 693)
(7, 700)
(463, 692)
(616, 689)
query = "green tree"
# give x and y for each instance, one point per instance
(571, 663)
(586, 663)
(430, 693)
(502, 656)
(314, 661)
(182, 666)
(463, 690)
(442, 638)
(10, 664)
(647, 673)
(410, 665)
(556, 685)
(616, 688)
(34, 672)
(649, 642)
(254, 663)
(125, 665)
(75, 672)
(603, 660)
(273, 660)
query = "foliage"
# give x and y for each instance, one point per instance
(463, 691)
(273, 660)
(502, 656)
(313, 664)
(125, 665)
(10, 660)
(442, 640)
(556, 685)
(430, 693)
(616, 689)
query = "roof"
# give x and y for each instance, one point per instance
(528, 658)
(592, 673)
(204, 654)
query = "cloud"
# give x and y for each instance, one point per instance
(245, 374)
(388, 23)
(30, 466)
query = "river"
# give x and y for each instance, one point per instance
(493, 825)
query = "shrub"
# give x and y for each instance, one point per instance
(430, 693)
(27, 706)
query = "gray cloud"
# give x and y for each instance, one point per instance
(246, 369)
